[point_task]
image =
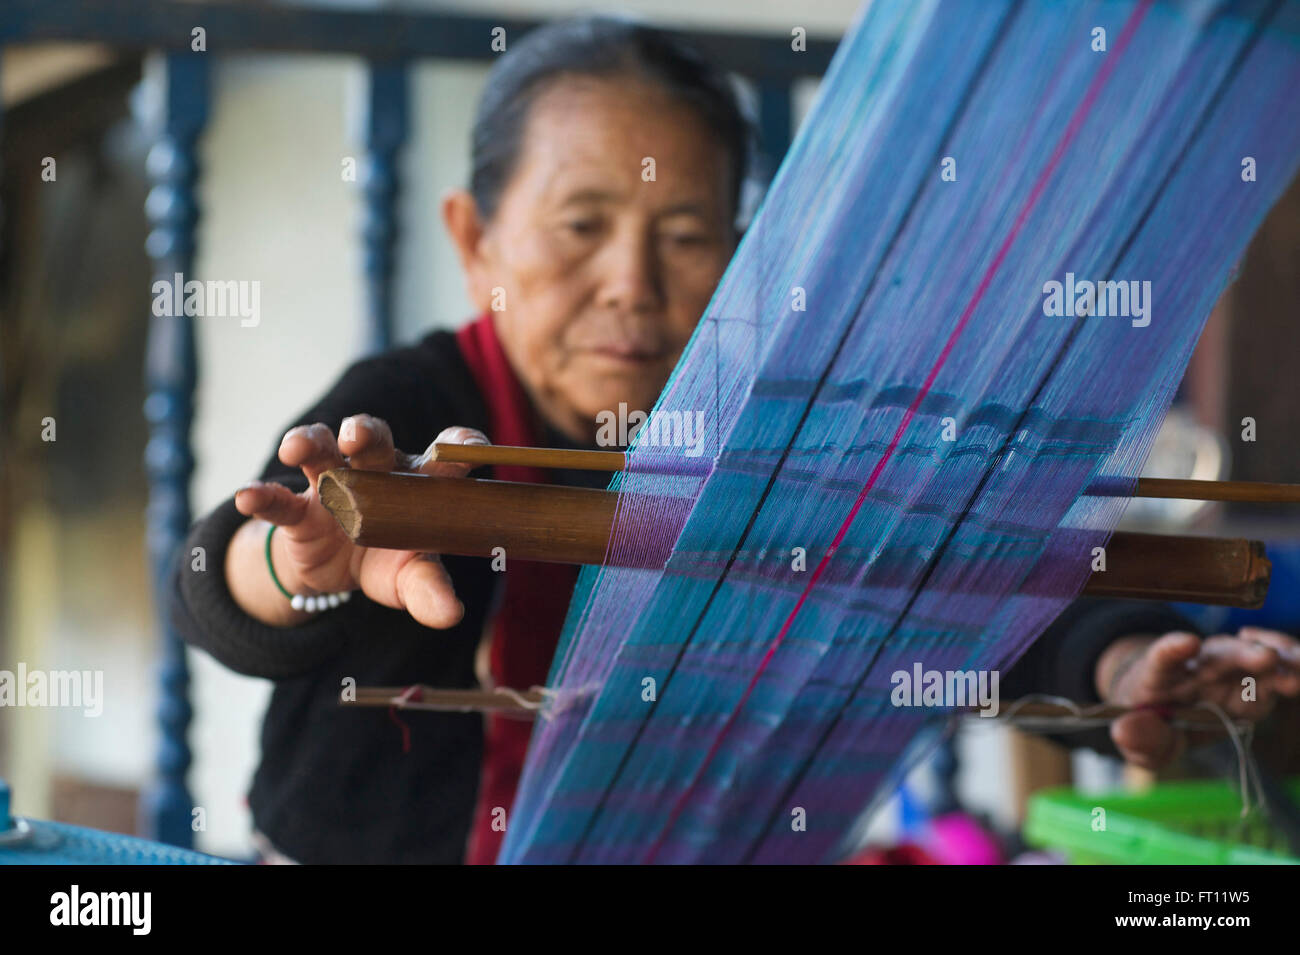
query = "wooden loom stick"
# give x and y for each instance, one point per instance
(1247, 492)
(565, 459)
(527, 702)
(456, 701)
(1192, 717)
(470, 517)
(557, 458)
(544, 522)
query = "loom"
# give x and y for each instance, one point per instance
(888, 393)
(35, 842)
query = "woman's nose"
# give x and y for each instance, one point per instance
(631, 275)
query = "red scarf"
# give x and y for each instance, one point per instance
(530, 616)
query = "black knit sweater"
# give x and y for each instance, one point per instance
(333, 784)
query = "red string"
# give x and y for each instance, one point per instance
(410, 693)
(406, 730)
(1162, 710)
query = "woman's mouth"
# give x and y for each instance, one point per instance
(627, 354)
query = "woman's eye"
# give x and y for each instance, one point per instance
(688, 238)
(583, 227)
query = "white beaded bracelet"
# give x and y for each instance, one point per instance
(319, 602)
(312, 604)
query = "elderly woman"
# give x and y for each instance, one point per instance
(589, 280)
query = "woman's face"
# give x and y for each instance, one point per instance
(605, 248)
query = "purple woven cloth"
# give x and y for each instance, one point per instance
(968, 297)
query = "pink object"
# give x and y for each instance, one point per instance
(957, 839)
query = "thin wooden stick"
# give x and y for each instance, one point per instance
(449, 701)
(557, 458)
(1251, 492)
(1194, 717)
(564, 459)
(565, 525)
(525, 703)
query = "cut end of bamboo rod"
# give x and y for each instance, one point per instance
(335, 490)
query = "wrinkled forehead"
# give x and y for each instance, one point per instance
(620, 139)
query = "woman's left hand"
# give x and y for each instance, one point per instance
(1181, 668)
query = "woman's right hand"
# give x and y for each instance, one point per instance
(311, 553)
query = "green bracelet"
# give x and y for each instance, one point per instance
(312, 604)
(271, 567)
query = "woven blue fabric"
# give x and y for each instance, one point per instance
(899, 466)
(55, 843)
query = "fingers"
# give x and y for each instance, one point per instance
(1146, 740)
(426, 591)
(456, 435)
(416, 583)
(311, 447)
(1161, 670)
(273, 503)
(1285, 677)
(1226, 658)
(367, 442)
(1169, 654)
(1181, 668)
(1218, 672)
(1287, 646)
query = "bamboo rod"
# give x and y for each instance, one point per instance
(543, 522)
(482, 455)
(1225, 571)
(470, 517)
